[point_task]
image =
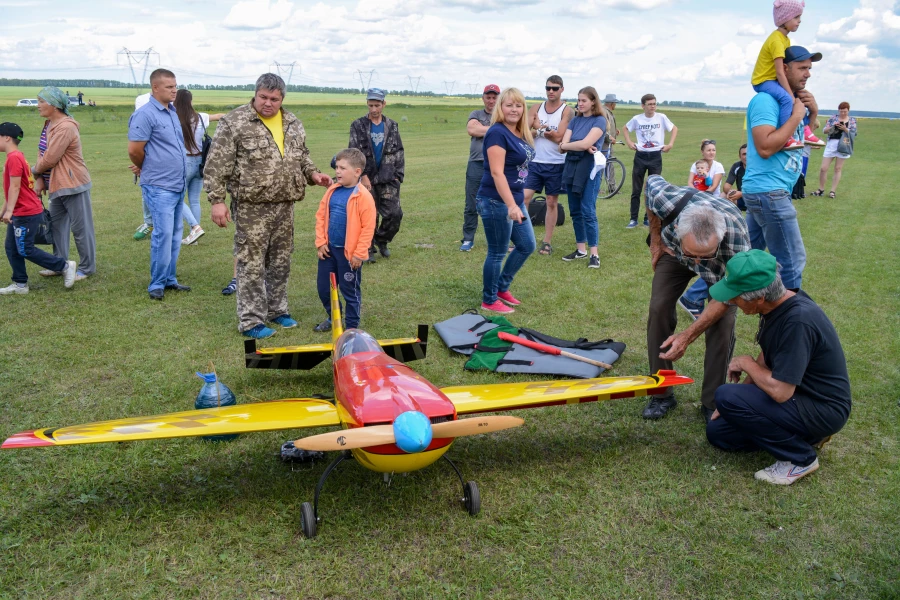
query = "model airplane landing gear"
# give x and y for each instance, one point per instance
(309, 513)
(471, 497)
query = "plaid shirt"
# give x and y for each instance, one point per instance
(661, 200)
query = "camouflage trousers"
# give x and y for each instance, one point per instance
(263, 243)
(387, 203)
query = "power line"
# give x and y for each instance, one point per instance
(414, 86)
(136, 57)
(448, 85)
(365, 74)
(287, 67)
(473, 87)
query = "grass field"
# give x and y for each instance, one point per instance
(581, 502)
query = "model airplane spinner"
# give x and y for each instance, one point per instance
(392, 420)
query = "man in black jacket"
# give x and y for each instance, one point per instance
(378, 137)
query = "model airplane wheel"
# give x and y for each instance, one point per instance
(472, 498)
(307, 520)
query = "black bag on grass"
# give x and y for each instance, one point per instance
(537, 211)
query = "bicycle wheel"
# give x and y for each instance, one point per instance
(615, 177)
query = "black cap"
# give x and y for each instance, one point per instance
(12, 130)
(795, 53)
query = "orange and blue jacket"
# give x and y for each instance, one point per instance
(360, 222)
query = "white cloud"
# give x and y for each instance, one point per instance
(640, 43)
(258, 14)
(752, 30)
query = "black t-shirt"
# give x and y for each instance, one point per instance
(735, 178)
(802, 348)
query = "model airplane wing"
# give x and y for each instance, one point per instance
(293, 413)
(512, 396)
(308, 356)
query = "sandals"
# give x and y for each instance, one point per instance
(818, 192)
(831, 195)
(546, 249)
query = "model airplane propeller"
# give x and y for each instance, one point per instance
(392, 420)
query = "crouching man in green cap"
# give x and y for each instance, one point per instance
(796, 394)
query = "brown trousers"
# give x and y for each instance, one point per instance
(670, 280)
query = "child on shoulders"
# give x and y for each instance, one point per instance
(345, 225)
(23, 212)
(768, 74)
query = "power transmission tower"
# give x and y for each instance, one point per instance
(365, 78)
(414, 86)
(281, 68)
(448, 85)
(135, 57)
(473, 87)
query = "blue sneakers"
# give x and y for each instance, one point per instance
(260, 332)
(466, 246)
(285, 321)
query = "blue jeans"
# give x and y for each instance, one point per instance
(165, 241)
(782, 96)
(499, 229)
(349, 281)
(20, 245)
(194, 186)
(750, 420)
(772, 216)
(148, 218)
(583, 209)
(697, 293)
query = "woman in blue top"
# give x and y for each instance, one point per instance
(508, 148)
(580, 143)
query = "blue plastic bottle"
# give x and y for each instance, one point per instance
(213, 394)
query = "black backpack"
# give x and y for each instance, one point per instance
(537, 211)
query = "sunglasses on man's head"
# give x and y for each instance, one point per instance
(552, 88)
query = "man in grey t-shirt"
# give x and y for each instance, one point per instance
(477, 126)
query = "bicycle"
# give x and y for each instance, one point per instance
(614, 176)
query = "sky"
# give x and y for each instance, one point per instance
(687, 50)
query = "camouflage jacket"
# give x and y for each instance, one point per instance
(245, 162)
(393, 162)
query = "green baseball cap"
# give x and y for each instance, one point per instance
(745, 272)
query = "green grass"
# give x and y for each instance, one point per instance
(581, 502)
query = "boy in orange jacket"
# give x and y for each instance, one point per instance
(345, 224)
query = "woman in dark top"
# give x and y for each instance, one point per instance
(580, 143)
(835, 128)
(508, 148)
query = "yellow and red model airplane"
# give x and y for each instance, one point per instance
(392, 420)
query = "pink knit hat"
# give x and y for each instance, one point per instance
(785, 10)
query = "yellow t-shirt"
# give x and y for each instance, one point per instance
(773, 48)
(274, 125)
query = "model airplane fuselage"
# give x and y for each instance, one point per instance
(371, 388)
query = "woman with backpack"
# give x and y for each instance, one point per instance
(193, 125)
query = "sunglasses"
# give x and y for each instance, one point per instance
(707, 142)
(552, 88)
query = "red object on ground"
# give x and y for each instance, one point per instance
(508, 337)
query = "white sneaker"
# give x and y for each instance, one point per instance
(49, 273)
(785, 472)
(15, 288)
(194, 235)
(69, 274)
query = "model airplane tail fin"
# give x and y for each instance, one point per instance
(337, 327)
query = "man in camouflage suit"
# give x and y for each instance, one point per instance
(379, 140)
(259, 156)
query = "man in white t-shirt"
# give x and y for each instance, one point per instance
(650, 132)
(548, 121)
